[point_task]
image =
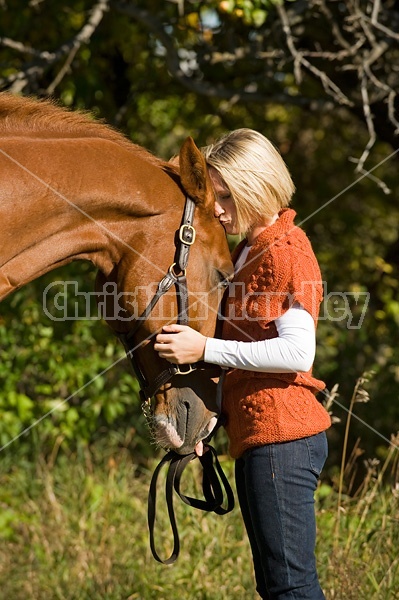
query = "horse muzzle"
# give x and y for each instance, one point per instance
(184, 437)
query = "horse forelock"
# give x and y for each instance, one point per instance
(25, 117)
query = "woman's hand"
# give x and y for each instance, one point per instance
(180, 344)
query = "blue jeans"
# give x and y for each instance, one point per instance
(275, 488)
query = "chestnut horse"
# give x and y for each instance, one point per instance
(72, 188)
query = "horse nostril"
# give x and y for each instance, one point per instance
(187, 409)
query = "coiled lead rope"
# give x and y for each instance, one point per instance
(214, 481)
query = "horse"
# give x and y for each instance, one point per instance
(74, 188)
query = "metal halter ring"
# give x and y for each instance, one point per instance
(172, 271)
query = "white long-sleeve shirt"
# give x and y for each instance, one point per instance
(292, 351)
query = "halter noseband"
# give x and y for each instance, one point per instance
(176, 275)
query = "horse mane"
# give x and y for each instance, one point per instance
(28, 116)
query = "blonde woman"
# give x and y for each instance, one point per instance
(276, 426)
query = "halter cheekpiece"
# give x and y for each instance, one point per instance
(176, 275)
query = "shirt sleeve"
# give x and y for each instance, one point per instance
(292, 351)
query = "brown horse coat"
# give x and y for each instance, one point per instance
(75, 189)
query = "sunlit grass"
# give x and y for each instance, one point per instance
(78, 530)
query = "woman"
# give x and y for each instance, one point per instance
(275, 425)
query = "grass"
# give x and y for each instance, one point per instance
(358, 540)
(75, 528)
(78, 530)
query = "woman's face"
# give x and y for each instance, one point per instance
(225, 209)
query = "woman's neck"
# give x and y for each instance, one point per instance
(257, 229)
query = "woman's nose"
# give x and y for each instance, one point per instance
(218, 209)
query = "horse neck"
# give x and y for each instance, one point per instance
(64, 201)
(53, 246)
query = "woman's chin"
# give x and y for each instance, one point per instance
(230, 229)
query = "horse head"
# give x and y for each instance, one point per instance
(184, 408)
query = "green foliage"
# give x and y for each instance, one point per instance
(251, 12)
(68, 381)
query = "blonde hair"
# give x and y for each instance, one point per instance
(255, 173)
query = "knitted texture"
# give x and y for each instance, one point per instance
(263, 408)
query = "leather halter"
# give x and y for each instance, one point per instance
(176, 275)
(214, 479)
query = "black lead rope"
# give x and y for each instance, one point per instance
(213, 482)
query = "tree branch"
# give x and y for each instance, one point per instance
(19, 81)
(300, 61)
(200, 86)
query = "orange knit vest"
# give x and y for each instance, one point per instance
(263, 408)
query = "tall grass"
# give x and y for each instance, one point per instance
(78, 530)
(75, 528)
(359, 528)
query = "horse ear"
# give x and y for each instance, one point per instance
(193, 174)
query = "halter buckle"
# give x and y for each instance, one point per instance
(187, 234)
(184, 369)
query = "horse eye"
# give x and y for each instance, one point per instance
(224, 279)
